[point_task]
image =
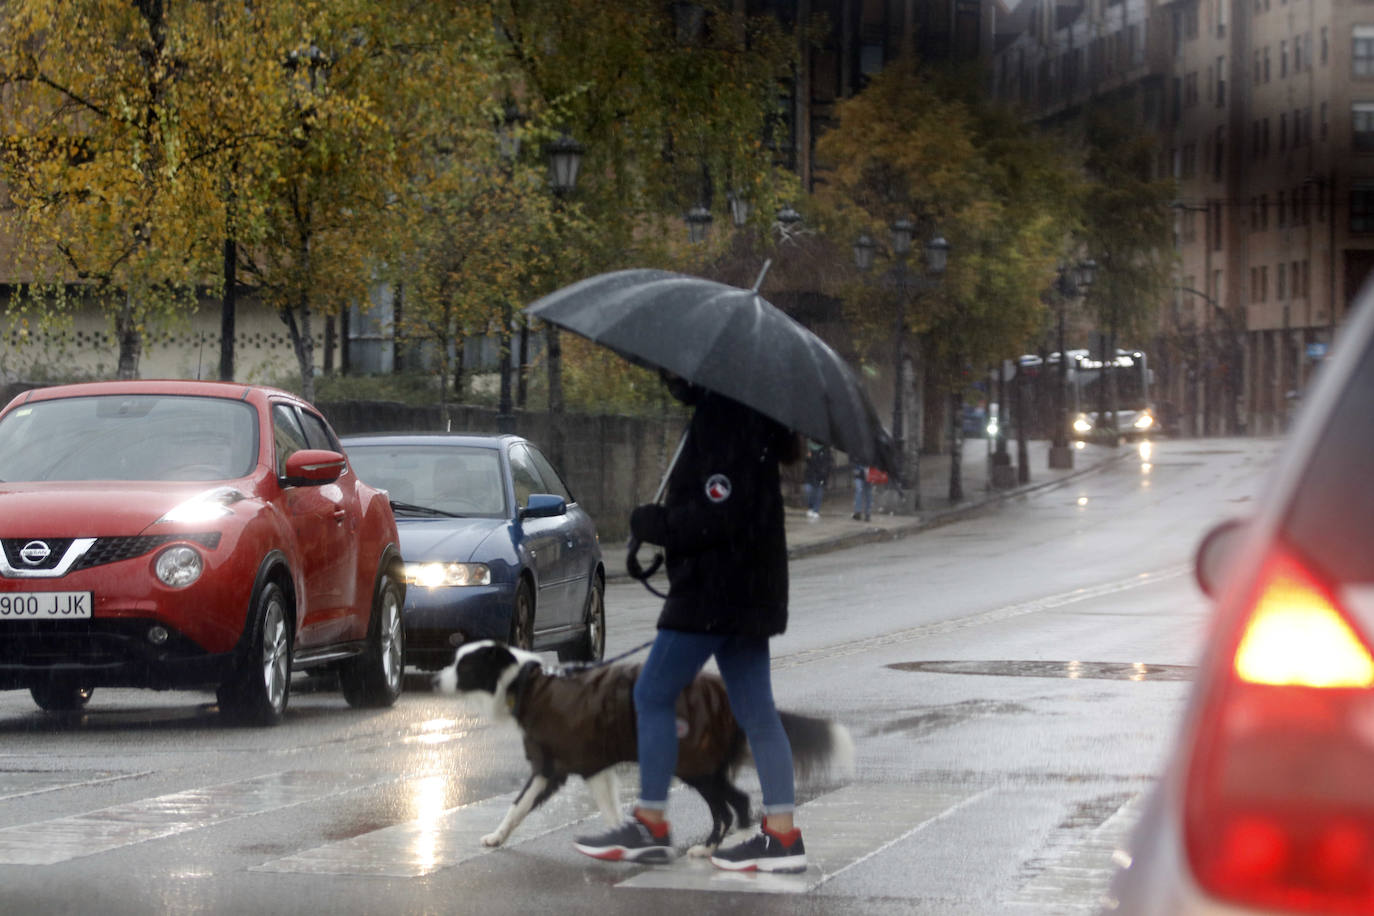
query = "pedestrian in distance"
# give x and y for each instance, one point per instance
(818, 465)
(863, 494)
(721, 527)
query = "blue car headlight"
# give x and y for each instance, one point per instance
(443, 575)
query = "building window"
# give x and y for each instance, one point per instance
(1283, 132)
(1190, 89)
(1189, 165)
(1221, 81)
(1323, 121)
(1362, 206)
(1266, 63)
(1283, 210)
(1219, 155)
(1362, 51)
(1324, 45)
(1264, 212)
(1264, 283)
(1221, 18)
(1255, 69)
(1362, 125)
(1297, 54)
(1283, 59)
(1281, 282)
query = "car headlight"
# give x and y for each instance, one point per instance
(178, 567)
(205, 507)
(1144, 421)
(1082, 424)
(441, 575)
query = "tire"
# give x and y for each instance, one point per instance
(591, 645)
(257, 693)
(522, 618)
(60, 697)
(374, 679)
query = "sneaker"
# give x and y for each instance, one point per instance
(812, 514)
(630, 842)
(764, 852)
(857, 516)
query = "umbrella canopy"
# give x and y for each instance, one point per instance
(730, 341)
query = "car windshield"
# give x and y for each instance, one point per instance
(129, 437)
(456, 479)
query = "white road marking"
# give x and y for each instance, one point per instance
(1080, 877)
(64, 838)
(429, 843)
(841, 829)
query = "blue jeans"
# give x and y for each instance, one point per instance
(814, 493)
(863, 497)
(674, 661)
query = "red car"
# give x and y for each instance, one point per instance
(175, 534)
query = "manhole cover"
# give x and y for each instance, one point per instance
(1111, 671)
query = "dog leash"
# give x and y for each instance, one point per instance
(573, 667)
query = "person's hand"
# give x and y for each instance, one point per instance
(649, 523)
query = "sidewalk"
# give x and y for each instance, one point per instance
(836, 529)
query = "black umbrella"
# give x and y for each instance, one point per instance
(731, 341)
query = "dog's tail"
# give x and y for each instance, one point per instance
(821, 749)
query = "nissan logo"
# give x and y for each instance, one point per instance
(34, 552)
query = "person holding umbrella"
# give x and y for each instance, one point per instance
(721, 527)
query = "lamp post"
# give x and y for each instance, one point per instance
(901, 233)
(698, 220)
(1071, 283)
(739, 209)
(565, 161)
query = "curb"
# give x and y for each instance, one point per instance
(989, 501)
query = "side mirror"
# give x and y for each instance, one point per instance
(1216, 553)
(544, 505)
(313, 466)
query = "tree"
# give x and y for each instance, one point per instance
(914, 145)
(105, 179)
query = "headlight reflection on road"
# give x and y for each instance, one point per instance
(427, 803)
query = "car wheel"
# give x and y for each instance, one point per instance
(374, 678)
(591, 645)
(59, 697)
(257, 693)
(522, 620)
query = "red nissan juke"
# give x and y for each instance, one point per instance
(176, 534)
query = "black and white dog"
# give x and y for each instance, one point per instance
(583, 723)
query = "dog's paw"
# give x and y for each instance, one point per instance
(493, 839)
(700, 851)
(446, 681)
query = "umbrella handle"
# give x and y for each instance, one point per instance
(632, 561)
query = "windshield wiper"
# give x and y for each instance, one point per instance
(423, 510)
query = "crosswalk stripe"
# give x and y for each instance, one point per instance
(842, 829)
(429, 843)
(64, 838)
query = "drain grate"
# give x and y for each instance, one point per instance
(1109, 671)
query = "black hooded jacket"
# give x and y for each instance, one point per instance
(721, 524)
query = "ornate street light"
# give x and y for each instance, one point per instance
(739, 209)
(565, 161)
(698, 219)
(902, 231)
(1085, 274)
(864, 247)
(937, 255)
(788, 217)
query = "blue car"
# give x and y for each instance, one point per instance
(494, 543)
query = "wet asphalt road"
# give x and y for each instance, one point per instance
(1011, 682)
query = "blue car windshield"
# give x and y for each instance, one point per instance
(129, 437)
(455, 479)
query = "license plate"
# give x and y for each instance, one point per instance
(45, 605)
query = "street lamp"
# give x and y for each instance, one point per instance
(901, 233)
(739, 209)
(698, 220)
(1073, 281)
(565, 161)
(787, 218)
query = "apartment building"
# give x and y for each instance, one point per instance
(1264, 115)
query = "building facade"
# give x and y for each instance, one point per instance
(1264, 115)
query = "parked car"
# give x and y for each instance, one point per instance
(177, 534)
(495, 545)
(1267, 802)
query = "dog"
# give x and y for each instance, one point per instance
(583, 723)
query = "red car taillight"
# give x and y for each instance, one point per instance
(1279, 807)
